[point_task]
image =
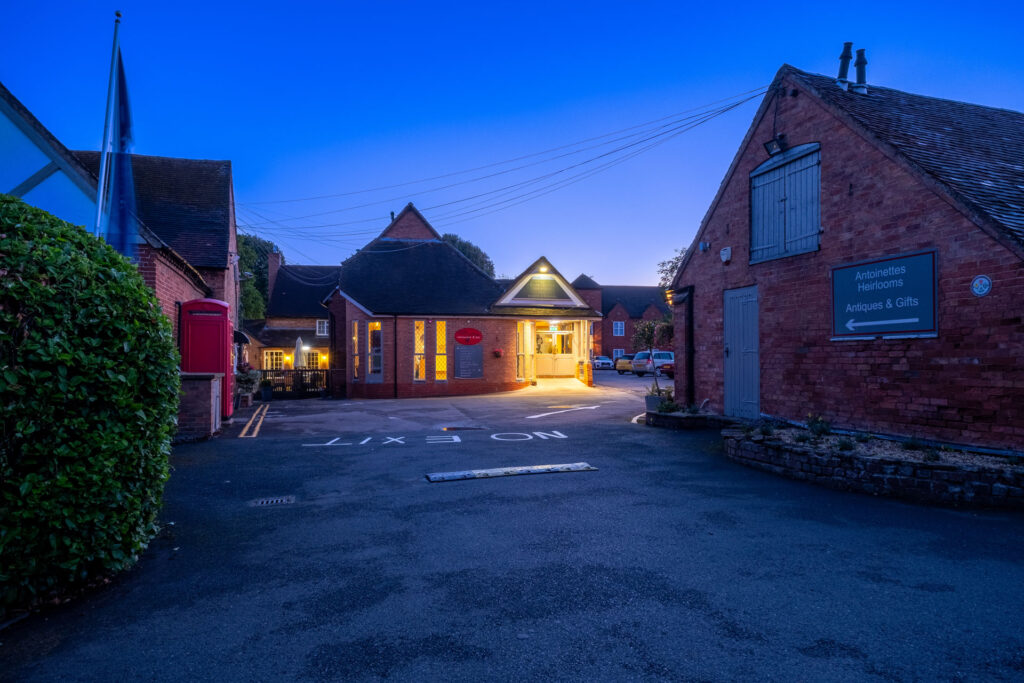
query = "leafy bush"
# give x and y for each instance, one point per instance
(766, 429)
(861, 437)
(818, 425)
(88, 398)
(669, 407)
(844, 444)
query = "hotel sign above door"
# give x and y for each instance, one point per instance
(468, 336)
(890, 296)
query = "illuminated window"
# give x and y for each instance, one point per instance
(441, 352)
(312, 360)
(355, 351)
(374, 352)
(273, 360)
(321, 328)
(619, 328)
(419, 348)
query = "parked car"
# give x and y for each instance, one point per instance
(669, 370)
(603, 363)
(642, 362)
(622, 364)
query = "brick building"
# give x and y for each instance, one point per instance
(411, 316)
(623, 306)
(863, 260)
(295, 317)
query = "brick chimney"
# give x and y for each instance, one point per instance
(274, 262)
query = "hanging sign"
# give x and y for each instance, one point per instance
(468, 336)
(894, 295)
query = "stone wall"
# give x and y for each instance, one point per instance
(924, 482)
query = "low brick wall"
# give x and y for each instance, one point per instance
(924, 482)
(686, 421)
(199, 409)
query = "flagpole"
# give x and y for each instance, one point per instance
(101, 188)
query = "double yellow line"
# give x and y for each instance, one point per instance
(260, 413)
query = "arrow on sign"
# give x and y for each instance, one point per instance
(851, 326)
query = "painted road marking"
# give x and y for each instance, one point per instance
(509, 472)
(636, 420)
(260, 413)
(444, 438)
(567, 410)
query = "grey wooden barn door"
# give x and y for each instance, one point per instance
(742, 365)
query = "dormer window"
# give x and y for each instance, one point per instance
(785, 204)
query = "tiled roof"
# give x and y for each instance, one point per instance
(186, 202)
(585, 282)
(281, 338)
(298, 291)
(976, 152)
(635, 299)
(416, 277)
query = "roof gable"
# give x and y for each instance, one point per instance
(409, 224)
(541, 285)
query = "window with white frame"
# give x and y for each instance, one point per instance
(618, 352)
(785, 204)
(273, 360)
(321, 328)
(313, 360)
(619, 328)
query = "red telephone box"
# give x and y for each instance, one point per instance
(206, 338)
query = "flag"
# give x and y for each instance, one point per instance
(121, 228)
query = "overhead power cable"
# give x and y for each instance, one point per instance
(755, 92)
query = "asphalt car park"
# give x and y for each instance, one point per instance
(316, 549)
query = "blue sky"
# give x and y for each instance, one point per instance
(317, 99)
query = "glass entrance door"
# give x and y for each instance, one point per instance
(555, 344)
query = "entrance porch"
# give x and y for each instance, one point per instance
(553, 348)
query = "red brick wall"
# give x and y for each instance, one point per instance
(169, 283)
(199, 407)
(965, 386)
(619, 313)
(499, 373)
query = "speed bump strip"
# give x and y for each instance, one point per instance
(509, 472)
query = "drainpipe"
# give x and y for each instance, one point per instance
(394, 345)
(687, 295)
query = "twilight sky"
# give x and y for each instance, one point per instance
(335, 98)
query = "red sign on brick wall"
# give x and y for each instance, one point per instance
(468, 336)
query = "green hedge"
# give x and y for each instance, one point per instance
(88, 403)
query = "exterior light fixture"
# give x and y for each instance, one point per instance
(776, 144)
(306, 348)
(543, 269)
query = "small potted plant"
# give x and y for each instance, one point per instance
(498, 353)
(266, 390)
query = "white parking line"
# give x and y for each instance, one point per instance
(569, 410)
(636, 420)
